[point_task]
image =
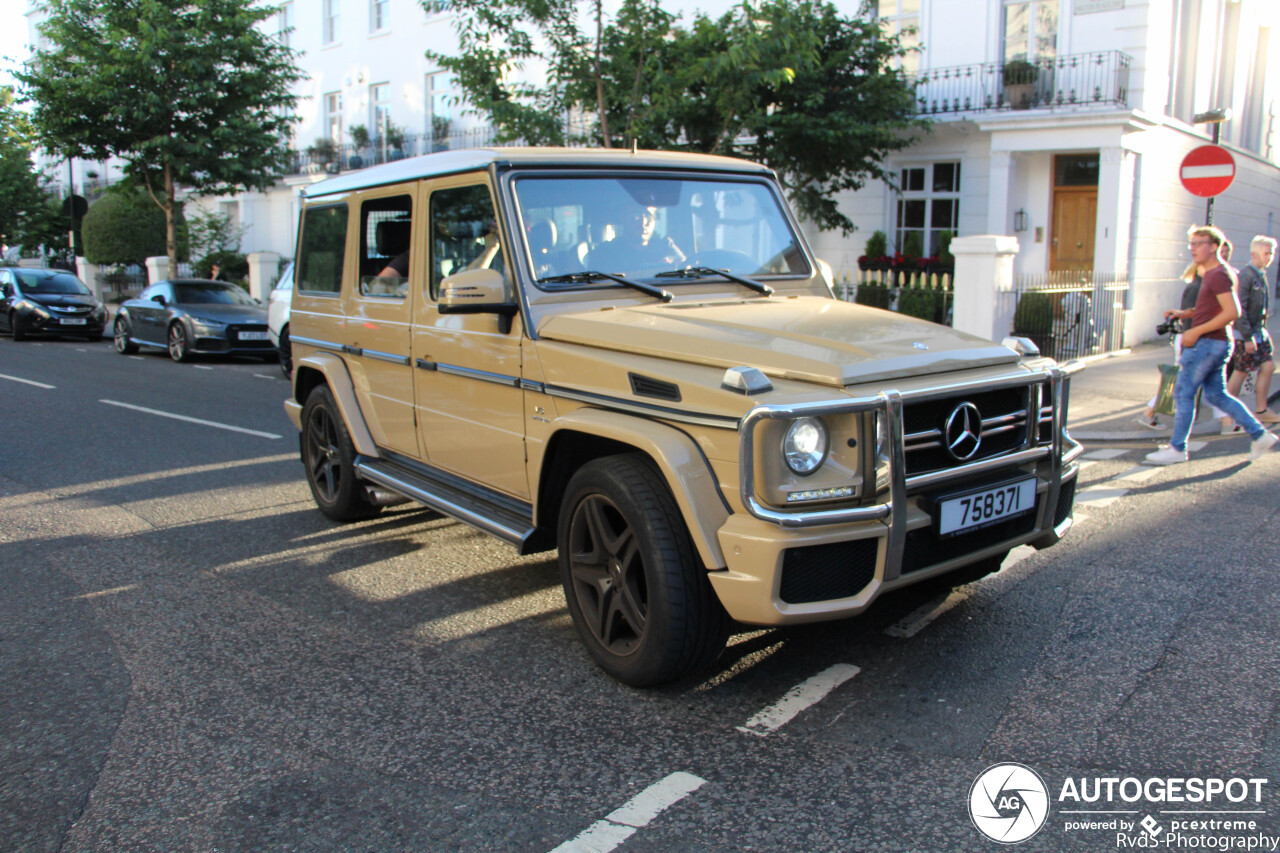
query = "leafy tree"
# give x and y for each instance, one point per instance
(209, 232)
(790, 83)
(126, 227)
(191, 94)
(24, 210)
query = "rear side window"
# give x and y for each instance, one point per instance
(323, 249)
(384, 246)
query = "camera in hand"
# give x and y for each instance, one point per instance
(1168, 327)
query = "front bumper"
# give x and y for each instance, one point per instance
(789, 567)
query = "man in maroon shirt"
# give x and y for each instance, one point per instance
(1206, 346)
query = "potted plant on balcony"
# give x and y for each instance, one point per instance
(360, 141)
(1020, 83)
(321, 153)
(395, 142)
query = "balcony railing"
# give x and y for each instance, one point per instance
(1079, 81)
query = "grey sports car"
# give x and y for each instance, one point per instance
(187, 316)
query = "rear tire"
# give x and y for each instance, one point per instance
(637, 591)
(121, 341)
(286, 353)
(328, 456)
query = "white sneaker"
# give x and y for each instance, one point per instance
(1231, 428)
(1166, 455)
(1261, 445)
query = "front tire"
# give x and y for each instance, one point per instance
(329, 458)
(179, 344)
(121, 341)
(15, 323)
(636, 589)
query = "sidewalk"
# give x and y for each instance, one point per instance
(1107, 396)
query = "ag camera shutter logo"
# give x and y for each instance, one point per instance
(1008, 803)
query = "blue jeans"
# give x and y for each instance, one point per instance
(1205, 365)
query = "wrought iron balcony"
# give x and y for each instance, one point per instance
(1079, 81)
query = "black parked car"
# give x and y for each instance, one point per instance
(191, 315)
(48, 301)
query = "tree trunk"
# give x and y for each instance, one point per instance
(600, 104)
(170, 221)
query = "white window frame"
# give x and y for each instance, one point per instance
(284, 24)
(928, 195)
(1029, 50)
(331, 22)
(895, 22)
(379, 16)
(333, 116)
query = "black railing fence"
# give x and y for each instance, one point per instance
(1069, 314)
(1080, 80)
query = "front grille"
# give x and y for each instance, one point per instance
(924, 549)
(1066, 500)
(1004, 427)
(827, 572)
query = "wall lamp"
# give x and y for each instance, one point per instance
(1020, 220)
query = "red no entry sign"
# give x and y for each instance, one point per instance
(1208, 171)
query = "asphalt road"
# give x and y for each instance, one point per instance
(193, 658)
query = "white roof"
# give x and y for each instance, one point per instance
(472, 159)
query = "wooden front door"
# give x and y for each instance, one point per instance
(1075, 216)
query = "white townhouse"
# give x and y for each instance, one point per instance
(1059, 122)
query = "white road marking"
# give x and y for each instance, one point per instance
(263, 376)
(1106, 453)
(81, 350)
(214, 424)
(798, 699)
(202, 367)
(916, 621)
(27, 382)
(137, 358)
(604, 835)
(1138, 473)
(1095, 497)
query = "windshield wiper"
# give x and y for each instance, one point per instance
(593, 275)
(702, 272)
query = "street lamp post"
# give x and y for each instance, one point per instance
(1215, 118)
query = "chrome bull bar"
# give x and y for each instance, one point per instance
(1061, 451)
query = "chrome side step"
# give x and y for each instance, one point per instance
(506, 519)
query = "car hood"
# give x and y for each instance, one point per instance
(805, 338)
(63, 299)
(229, 314)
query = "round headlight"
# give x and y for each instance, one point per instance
(805, 445)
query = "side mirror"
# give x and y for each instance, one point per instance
(480, 291)
(159, 297)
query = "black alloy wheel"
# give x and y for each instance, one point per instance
(637, 591)
(179, 345)
(329, 458)
(121, 341)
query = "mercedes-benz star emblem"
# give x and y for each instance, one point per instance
(963, 431)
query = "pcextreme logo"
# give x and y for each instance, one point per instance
(1008, 803)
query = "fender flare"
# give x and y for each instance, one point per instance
(338, 378)
(685, 469)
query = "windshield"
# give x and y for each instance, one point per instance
(640, 227)
(45, 281)
(210, 294)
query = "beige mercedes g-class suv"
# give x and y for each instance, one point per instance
(635, 358)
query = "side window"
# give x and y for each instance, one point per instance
(464, 233)
(323, 249)
(384, 246)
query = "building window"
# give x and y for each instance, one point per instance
(378, 12)
(1030, 29)
(928, 208)
(902, 18)
(380, 102)
(331, 10)
(333, 116)
(440, 98)
(284, 24)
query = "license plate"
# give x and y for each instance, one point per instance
(254, 336)
(73, 321)
(986, 506)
